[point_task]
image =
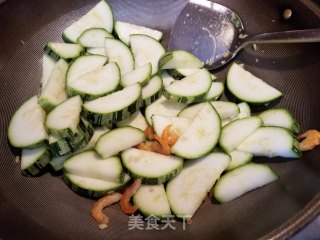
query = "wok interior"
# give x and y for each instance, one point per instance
(44, 206)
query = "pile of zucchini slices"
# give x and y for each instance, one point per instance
(109, 81)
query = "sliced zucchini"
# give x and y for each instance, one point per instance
(94, 38)
(63, 146)
(67, 51)
(245, 110)
(239, 158)
(57, 162)
(187, 190)
(98, 132)
(100, 16)
(117, 140)
(152, 91)
(191, 111)
(89, 164)
(179, 59)
(234, 133)
(248, 88)
(167, 79)
(270, 142)
(59, 146)
(201, 136)
(54, 92)
(190, 89)
(178, 124)
(152, 200)
(97, 51)
(119, 53)
(180, 73)
(145, 50)
(214, 92)
(123, 30)
(47, 67)
(139, 75)
(92, 187)
(64, 119)
(152, 168)
(242, 180)
(26, 128)
(114, 107)
(164, 107)
(136, 120)
(97, 83)
(84, 65)
(34, 160)
(226, 110)
(280, 118)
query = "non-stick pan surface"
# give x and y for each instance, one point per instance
(45, 208)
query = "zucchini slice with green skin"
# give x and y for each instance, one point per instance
(166, 78)
(201, 136)
(59, 146)
(67, 51)
(57, 162)
(94, 38)
(136, 120)
(245, 110)
(249, 88)
(191, 111)
(226, 110)
(63, 146)
(242, 180)
(122, 138)
(54, 92)
(271, 142)
(92, 187)
(119, 53)
(139, 75)
(178, 125)
(84, 65)
(114, 107)
(179, 73)
(152, 168)
(97, 83)
(164, 107)
(98, 132)
(187, 190)
(280, 118)
(190, 89)
(179, 59)
(97, 51)
(34, 160)
(214, 92)
(152, 91)
(26, 128)
(152, 200)
(64, 119)
(145, 50)
(100, 16)
(47, 67)
(90, 164)
(239, 158)
(234, 133)
(123, 30)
